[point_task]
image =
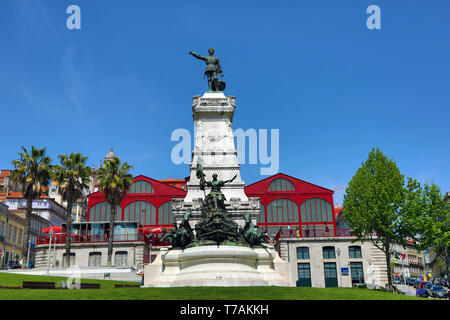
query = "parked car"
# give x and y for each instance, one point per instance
(438, 292)
(428, 287)
(411, 281)
(421, 292)
(416, 283)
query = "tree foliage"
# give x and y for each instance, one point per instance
(72, 177)
(373, 204)
(114, 183)
(427, 214)
(32, 171)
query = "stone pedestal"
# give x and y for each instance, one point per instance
(216, 266)
(215, 150)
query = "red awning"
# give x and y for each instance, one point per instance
(56, 229)
(151, 230)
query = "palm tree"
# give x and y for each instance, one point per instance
(114, 183)
(72, 178)
(32, 171)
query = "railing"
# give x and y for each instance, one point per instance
(61, 238)
(320, 233)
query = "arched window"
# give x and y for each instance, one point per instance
(316, 210)
(102, 212)
(302, 253)
(354, 252)
(282, 211)
(328, 253)
(261, 218)
(165, 215)
(95, 259)
(141, 186)
(121, 258)
(140, 211)
(281, 184)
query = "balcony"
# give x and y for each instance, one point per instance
(93, 238)
(319, 233)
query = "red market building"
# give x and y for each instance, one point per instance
(147, 202)
(287, 203)
(297, 207)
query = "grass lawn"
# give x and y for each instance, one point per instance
(108, 292)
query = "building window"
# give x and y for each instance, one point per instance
(262, 217)
(102, 212)
(302, 253)
(121, 258)
(95, 259)
(356, 269)
(14, 235)
(72, 259)
(20, 237)
(328, 253)
(282, 211)
(9, 233)
(2, 229)
(304, 275)
(140, 211)
(316, 210)
(165, 215)
(141, 186)
(281, 184)
(354, 252)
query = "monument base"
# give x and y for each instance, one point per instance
(215, 266)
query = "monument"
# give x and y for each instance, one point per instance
(215, 241)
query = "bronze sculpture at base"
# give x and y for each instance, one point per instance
(216, 226)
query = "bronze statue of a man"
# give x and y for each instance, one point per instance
(215, 199)
(212, 68)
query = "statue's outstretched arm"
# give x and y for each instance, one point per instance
(231, 180)
(197, 56)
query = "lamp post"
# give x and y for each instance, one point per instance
(54, 252)
(49, 249)
(339, 265)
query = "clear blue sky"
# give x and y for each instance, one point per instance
(311, 69)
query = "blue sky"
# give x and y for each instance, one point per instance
(311, 69)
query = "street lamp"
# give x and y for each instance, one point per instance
(338, 250)
(49, 249)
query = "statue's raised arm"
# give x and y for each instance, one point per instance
(197, 56)
(231, 180)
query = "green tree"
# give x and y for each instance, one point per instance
(373, 204)
(72, 178)
(32, 171)
(428, 215)
(114, 183)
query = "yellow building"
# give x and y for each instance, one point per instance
(11, 235)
